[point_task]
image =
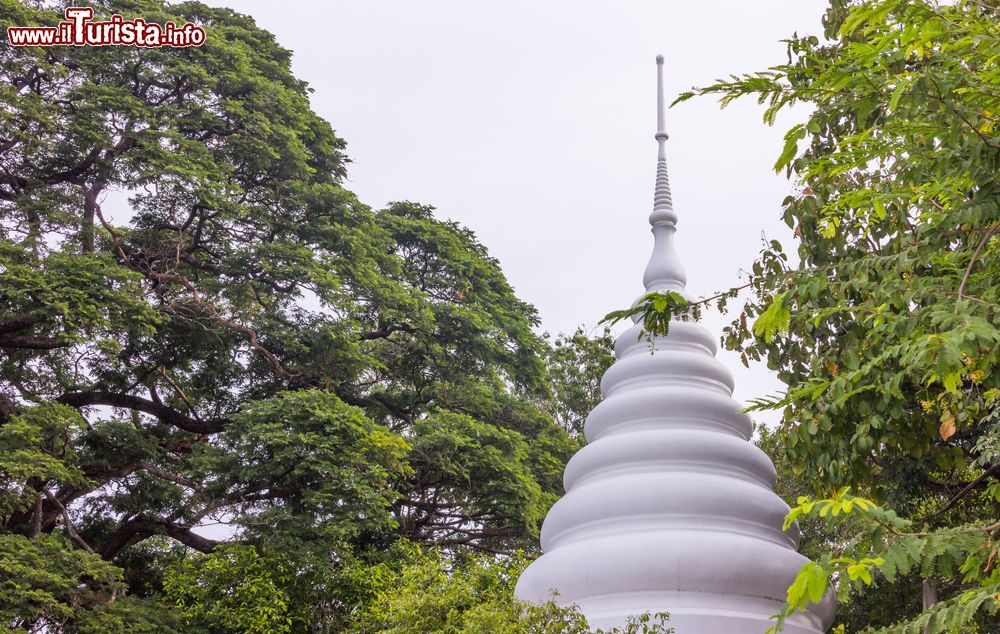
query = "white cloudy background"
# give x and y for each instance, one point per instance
(531, 122)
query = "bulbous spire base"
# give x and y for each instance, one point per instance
(669, 507)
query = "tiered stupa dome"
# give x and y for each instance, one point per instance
(670, 508)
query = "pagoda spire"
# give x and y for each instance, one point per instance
(664, 270)
(669, 508)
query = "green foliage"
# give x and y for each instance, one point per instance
(200, 326)
(896, 223)
(231, 590)
(886, 331)
(576, 364)
(881, 603)
(894, 550)
(48, 582)
(774, 320)
(240, 589)
(128, 615)
(70, 296)
(475, 597)
(36, 446)
(656, 310)
(474, 465)
(333, 467)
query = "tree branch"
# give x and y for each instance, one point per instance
(965, 491)
(975, 255)
(146, 406)
(74, 172)
(381, 333)
(32, 343)
(19, 323)
(134, 531)
(166, 475)
(68, 523)
(36, 517)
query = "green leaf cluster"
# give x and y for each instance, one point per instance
(884, 319)
(223, 375)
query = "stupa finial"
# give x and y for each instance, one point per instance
(661, 126)
(664, 271)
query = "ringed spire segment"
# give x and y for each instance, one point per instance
(664, 270)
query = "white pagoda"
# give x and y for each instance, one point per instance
(670, 508)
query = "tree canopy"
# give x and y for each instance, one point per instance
(200, 326)
(887, 328)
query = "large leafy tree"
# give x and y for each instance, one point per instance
(887, 330)
(199, 325)
(576, 364)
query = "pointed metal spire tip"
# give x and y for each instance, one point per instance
(661, 127)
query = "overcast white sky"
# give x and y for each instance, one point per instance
(532, 122)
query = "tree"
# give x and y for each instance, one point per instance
(199, 325)
(237, 588)
(886, 331)
(475, 598)
(576, 364)
(879, 604)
